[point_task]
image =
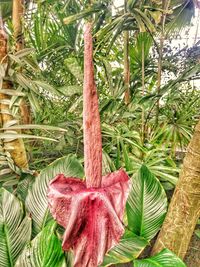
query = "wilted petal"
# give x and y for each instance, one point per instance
(92, 217)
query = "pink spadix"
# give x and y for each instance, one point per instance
(91, 211)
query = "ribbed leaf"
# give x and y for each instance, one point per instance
(147, 204)
(44, 251)
(33, 126)
(129, 248)
(163, 259)
(10, 135)
(36, 201)
(15, 229)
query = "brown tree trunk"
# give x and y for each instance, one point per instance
(17, 16)
(14, 147)
(184, 209)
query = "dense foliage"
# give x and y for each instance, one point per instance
(146, 134)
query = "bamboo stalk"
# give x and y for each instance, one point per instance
(17, 16)
(14, 147)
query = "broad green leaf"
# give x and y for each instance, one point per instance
(163, 259)
(44, 250)
(147, 204)
(15, 229)
(36, 201)
(129, 248)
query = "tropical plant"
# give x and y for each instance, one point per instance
(45, 231)
(48, 74)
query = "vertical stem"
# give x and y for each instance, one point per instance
(126, 63)
(17, 16)
(91, 117)
(165, 6)
(143, 88)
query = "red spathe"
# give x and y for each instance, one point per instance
(92, 217)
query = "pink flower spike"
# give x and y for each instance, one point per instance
(91, 211)
(91, 118)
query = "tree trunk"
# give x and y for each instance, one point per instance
(14, 147)
(18, 11)
(184, 209)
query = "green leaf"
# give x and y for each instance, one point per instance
(36, 201)
(75, 69)
(47, 87)
(71, 90)
(15, 229)
(129, 248)
(6, 8)
(147, 204)
(44, 250)
(163, 259)
(24, 52)
(25, 182)
(197, 233)
(85, 13)
(13, 136)
(34, 126)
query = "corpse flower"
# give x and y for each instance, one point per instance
(91, 211)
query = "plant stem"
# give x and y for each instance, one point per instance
(126, 63)
(165, 6)
(143, 89)
(17, 15)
